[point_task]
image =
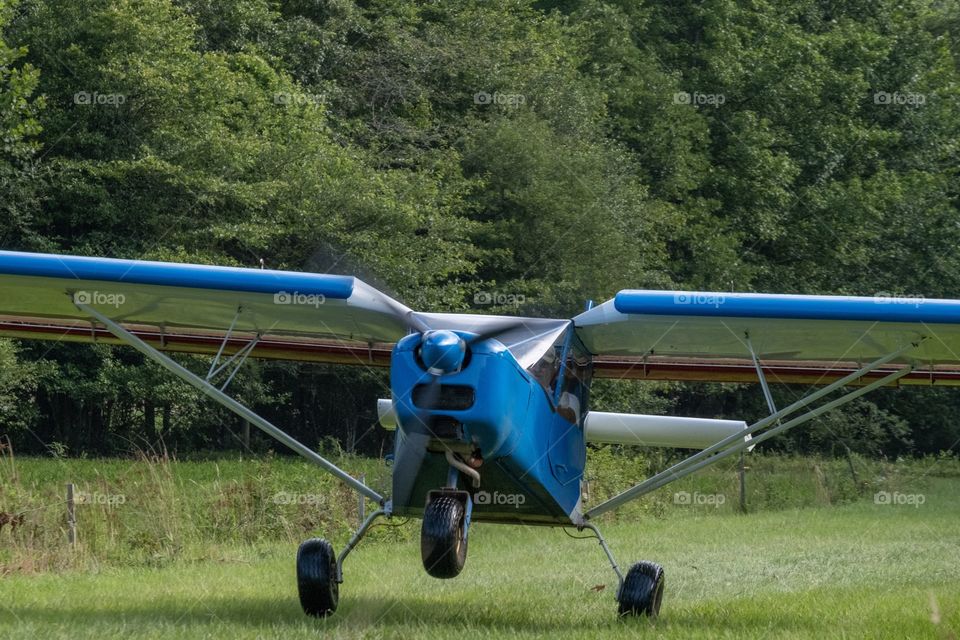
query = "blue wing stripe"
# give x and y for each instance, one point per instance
(175, 275)
(880, 308)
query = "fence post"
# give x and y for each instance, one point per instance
(743, 484)
(362, 511)
(71, 516)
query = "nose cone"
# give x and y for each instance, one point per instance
(442, 352)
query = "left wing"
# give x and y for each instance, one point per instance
(195, 308)
(706, 336)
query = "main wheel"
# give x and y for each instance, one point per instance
(443, 545)
(642, 590)
(317, 578)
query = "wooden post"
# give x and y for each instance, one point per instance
(71, 516)
(743, 484)
(853, 471)
(362, 511)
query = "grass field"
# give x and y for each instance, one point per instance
(857, 569)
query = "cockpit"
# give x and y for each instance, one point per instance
(563, 371)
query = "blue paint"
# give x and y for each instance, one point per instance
(174, 275)
(512, 422)
(881, 308)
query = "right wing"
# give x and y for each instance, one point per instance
(707, 336)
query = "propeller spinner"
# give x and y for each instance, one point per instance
(442, 352)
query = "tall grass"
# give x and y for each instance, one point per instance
(151, 510)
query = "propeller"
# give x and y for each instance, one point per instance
(442, 352)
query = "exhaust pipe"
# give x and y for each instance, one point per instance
(462, 466)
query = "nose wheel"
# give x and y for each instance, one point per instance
(443, 535)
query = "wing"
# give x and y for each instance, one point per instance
(186, 307)
(702, 336)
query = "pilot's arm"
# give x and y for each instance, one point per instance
(569, 407)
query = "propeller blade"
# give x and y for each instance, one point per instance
(413, 450)
(405, 315)
(494, 332)
(427, 401)
(407, 464)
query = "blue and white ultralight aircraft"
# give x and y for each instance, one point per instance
(491, 413)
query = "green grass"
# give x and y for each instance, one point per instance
(855, 570)
(858, 571)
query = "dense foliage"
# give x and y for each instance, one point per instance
(552, 151)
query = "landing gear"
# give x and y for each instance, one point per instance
(317, 578)
(642, 590)
(443, 536)
(320, 570)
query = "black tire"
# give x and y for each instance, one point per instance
(317, 578)
(443, 546)
(642, 590)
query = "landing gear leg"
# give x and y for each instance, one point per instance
(320, 571)
(641, 590)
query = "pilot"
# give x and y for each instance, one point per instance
(546, 369)
(569, 407)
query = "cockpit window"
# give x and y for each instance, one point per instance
(546, 369)
(570, 398)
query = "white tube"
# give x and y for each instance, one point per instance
(658, 431)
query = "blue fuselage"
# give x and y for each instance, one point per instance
(533, 457)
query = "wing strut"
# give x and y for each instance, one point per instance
(763, 379)
(204, 385)
(737, 442)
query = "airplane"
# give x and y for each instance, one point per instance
(491, 414)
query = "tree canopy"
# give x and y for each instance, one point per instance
(553, 151)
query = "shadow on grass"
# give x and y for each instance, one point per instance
(372, 613)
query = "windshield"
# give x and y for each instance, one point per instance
(565, 380)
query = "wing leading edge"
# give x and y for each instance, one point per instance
(709, 336)
(650, 335)
(186, 307)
